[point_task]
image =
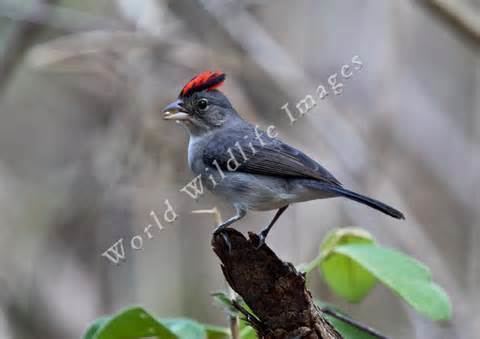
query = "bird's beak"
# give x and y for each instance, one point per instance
(175, 111)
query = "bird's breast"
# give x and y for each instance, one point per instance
(195, 154)
(255, 192)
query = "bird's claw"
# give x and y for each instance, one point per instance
(261, 240)
(220, 231)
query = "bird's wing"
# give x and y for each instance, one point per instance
(269, 156)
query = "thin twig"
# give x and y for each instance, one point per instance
(233, 320)
(356, 324)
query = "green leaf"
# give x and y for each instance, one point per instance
(217, 332)
(348, 331)
(131, 323)
(247, 331)
(342, 236)
(343, 275)
(93, 329)
(185, 328)
(407, 277)
(223, 299)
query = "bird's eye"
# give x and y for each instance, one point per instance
(202, 103)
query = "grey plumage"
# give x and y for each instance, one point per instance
(272, 157)
(246, 166)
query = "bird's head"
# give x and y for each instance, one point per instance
(200, 106)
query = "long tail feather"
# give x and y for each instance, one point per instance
(380, 206)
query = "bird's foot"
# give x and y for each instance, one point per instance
(220, 231)
(262, 236)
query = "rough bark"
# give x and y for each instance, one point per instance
(272, 288)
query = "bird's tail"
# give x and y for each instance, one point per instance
(380, 206)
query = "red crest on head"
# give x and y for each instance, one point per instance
(206, 80)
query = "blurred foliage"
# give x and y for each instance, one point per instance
(135, 322)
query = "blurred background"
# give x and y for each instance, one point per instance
(85, 156)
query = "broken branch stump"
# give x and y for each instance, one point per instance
(273, 289)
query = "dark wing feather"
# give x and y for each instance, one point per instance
(274, 158)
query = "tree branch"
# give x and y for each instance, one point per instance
(458, 16)
(273, 289)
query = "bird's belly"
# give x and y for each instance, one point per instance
(254, 192)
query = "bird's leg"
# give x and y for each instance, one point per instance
(263, 234)
(240, 213)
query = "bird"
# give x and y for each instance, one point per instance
(248, 167)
